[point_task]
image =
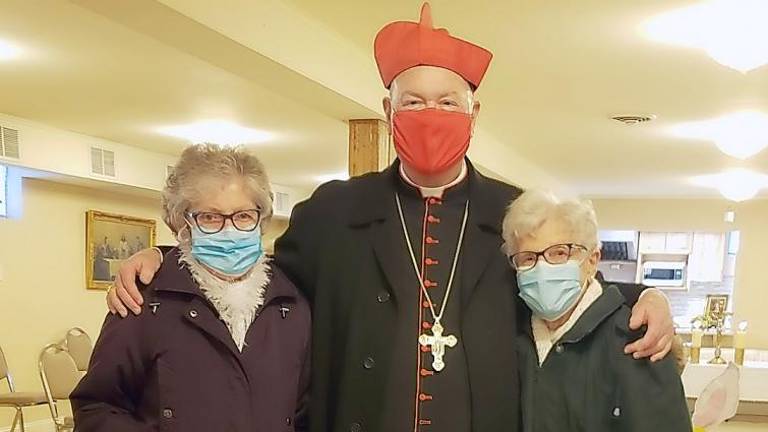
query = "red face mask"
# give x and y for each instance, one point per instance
(431, 140)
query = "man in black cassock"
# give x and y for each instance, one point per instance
(415, 308)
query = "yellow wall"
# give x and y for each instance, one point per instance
(275, 229)
(42, 259)
(751, 289)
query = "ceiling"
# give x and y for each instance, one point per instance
(562, 68)
(119, 70)
(121, 73)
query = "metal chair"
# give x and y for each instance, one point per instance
(17, 400)
(80, 347)
(60, 375)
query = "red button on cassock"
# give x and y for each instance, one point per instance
(425, 348)
(425, 397)
(425, 422)
(432, 240)
(426, 372)
(430, 261)
(433, 219)
(426, 326)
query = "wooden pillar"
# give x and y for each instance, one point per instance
(369, 146)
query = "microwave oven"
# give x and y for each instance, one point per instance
(664, 273)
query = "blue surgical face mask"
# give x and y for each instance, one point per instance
(229, 251)
(550, 290)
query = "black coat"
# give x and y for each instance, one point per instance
(175, 367)
(588, 384)
(345, 250)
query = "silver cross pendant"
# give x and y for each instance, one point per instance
(437, 343)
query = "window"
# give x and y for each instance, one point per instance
(3, 191)
(734, 238)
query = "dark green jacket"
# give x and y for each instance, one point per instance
(588, 384)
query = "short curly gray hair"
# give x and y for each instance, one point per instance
(204, 162)
(530, 210)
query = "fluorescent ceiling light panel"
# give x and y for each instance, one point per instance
(741, 135)
(8, 51)
(731, 32)
(735, 185)
(217, 132)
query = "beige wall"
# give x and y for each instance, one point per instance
(751, 289)
(275, 229)
(42, 256)
(42, 259)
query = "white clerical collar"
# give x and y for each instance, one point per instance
(435, 192)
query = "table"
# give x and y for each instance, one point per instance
(753, 383)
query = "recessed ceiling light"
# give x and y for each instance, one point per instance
(741, 135)
(8, 51)
(735, 185)
(325, 178)
(732, 32)
(217, 132)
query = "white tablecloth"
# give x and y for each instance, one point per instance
(753, 381)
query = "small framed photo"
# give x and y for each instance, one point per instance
(110, 239)
(717, 306)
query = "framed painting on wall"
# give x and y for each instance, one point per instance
(110, 239)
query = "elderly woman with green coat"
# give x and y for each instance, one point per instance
(575, 374)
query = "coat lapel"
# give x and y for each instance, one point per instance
(200, 312)
(391, 252)
(376, 212)
(202, 316)
(482, 244)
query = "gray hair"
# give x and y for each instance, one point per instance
(529, 212)
(203, 162)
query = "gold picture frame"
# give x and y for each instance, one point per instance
(110, 239)
(716, 307)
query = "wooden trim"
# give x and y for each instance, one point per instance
(369, 146)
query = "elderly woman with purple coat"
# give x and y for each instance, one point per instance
(224, 339)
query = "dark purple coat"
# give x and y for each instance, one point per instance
(175, 367)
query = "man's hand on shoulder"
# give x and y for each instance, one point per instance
(124, 294)
(653, 311)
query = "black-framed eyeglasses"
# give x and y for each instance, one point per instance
(556, 254)
(212, 222)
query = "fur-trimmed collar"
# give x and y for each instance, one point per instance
(237, 302)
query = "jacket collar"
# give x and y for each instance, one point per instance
(174, 276)
(599, 311)
(376, 202)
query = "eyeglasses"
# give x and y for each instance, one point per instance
(557, 254)
(211, 223)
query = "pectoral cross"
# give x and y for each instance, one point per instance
(437, 342)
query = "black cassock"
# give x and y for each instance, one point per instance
(346, 251)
